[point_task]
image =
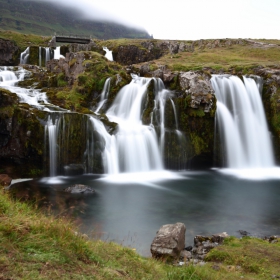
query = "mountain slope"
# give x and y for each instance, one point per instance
(43, 18)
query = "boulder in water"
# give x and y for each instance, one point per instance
(78, 188)
(169, 242)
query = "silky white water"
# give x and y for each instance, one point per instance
(136, 144)
(104, 95)
(241, 123)
(108, 54)
(9, 79)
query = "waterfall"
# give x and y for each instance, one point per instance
(24, 56)
(9, 80)
(108, 54)
(136, 144)
(51, 133)
(40, 56)
(78, 139)
(48, 55)
(241, 122)
(104, 95)
(57, 54)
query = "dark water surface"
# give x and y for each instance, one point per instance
(131, 213)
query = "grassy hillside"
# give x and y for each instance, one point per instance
(43, 18)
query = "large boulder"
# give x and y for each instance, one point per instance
(169, 241)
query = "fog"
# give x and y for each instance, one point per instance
(186, 19)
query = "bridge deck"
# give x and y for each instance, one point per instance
(72, 39)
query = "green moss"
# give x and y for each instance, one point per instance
(33, 55)
(61, 82)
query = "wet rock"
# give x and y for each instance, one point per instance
(5, 180)
(169, 241)
(78, 188)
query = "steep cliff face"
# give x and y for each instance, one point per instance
(21, 136)
(271, 100)
(9, 53)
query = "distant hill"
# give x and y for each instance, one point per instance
(45, 19)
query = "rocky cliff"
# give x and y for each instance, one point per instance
(9, 53)
(21, 136)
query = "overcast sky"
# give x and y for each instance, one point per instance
(188, 19)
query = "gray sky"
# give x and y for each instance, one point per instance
(188, 19)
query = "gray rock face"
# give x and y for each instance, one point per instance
(9, 53)
(169, 241)
(71, 70)
(199, 88)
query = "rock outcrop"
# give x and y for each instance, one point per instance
(169, 241)
(9, 53)
(21, 134)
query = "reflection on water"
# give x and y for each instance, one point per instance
(131, 213)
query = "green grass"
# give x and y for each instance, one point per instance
(24, 40)
(34, 245)
(222, 57)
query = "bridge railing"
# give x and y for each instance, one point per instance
(73, 36)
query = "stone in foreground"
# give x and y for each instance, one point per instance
(169, 241)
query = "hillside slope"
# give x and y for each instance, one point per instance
(45, 19)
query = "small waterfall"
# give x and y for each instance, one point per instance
(241, 122)
(40, 56)
(48, 55)
(104, 95)
(51, 134)
(57, 54)
(108, 54)
(24, 56)
(158, 114)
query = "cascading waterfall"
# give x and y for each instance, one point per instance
(136, 144)
(24, 56)
(241, 122)
(9, 80)
(133, 147)
(104, 95)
